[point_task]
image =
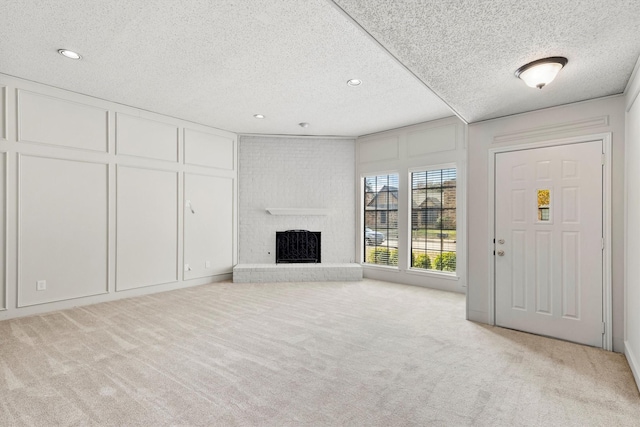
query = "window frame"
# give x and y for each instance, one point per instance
(362, 192)
(447, 275)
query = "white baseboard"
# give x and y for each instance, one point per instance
(633, 363)
(106, 297)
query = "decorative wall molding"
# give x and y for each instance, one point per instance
(431, 140)
(198, 248)
(19, 295)
(553, 130)
(59, 131)
(4, 110)
(379, 149)
(126, 283)
(199, 148)
(4, 280)
(40, 121)
(146, 138)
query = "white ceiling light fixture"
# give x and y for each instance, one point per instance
(259, 116)
(69, 54)
(540, 73)
(354, 82)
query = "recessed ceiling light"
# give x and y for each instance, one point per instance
(540, 73)
(354, 82)
(303, 125)
(69, 54)
(258, 116)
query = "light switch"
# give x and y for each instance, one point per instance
(207, 264)
(41, 285)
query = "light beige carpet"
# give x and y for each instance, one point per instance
(360, 353)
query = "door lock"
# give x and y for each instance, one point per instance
(500, 253)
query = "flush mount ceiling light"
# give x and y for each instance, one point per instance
(354, 82)
(258, 116)
(69, 54)
(541, 72)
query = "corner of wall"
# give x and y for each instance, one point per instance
(633, 363)
(632, 89)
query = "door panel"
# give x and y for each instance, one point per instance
(549, 218)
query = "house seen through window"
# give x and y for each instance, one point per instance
(433, 232)
(433, 220)
(381, 220)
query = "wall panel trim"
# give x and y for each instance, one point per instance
(185, 150)
(233, 230)
(4, 107)
(5, 227)
(19, 123)
(117, 142)
(19, 227)
(542, 131)
(92, 139)
(178, 276)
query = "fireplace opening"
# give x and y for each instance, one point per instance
(297, 246)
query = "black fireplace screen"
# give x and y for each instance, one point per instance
(297, 246)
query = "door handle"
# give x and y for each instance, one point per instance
(500, 253)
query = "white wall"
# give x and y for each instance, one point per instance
(586, 118)
(632, 222)
(288, 172)
(92, 195)
(433, 144)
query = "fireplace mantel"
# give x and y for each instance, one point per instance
(297, 211)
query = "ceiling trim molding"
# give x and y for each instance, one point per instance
(270, 135)
(4, 113)
(542, 131)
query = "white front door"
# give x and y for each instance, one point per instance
(549, 241)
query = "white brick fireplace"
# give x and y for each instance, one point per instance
(288, 183)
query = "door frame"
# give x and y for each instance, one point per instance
(605, 138)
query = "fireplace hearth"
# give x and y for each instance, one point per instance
(298, 246)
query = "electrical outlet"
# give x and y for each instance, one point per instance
(207, 264)
(187, 267)
(41, 285)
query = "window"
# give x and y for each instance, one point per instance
(433, 220)
(544, 203)
(380, 234)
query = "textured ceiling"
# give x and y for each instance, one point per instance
(219, 62)
(467, 51)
